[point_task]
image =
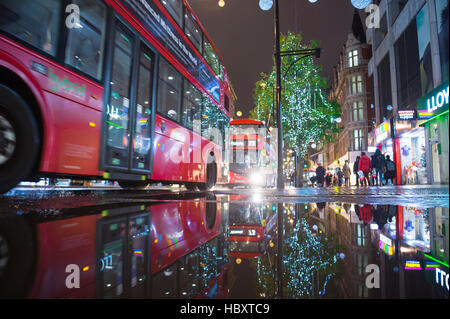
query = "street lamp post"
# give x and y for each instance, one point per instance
(278, 55)
(280, 179)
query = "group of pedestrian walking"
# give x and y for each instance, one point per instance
(376, 170)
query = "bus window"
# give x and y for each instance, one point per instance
(169, 91)
(85, 43)
(191, 105)
(192, 30)
(142, 138)
(33, 21)
(175, 8)
(212, 59)
(119, 107)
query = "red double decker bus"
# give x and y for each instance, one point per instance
(124, 90)
(250, 229)
(251, 154)
(159, 250)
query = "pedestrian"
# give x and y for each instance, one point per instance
(356, 169)
(364, 166)
(328, 179)
(339, 176)
(292, 178)
(347, 173)
(320, 174)
(378, 162)
(390, 170)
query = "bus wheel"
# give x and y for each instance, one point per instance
(133, 184)
(211, 177)
(19, 139)
(190, 186)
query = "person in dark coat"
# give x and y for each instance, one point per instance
(320, 174)
(355, 170)
(378, 163)
(390, 170)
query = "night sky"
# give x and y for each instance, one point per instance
(244, 35)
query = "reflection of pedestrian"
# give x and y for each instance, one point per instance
(320, 173)
(356, 169)
(347, 172)
(328, 179)
(364, 166)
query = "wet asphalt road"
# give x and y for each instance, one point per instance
(228, 243)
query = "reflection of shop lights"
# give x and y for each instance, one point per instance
(413, 265)
(436, 260)
(431, 265)
(386, 248)
(139, 253)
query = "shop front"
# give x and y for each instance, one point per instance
(388, 145)
(412, 149)
(432, 111)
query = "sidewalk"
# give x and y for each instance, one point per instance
(414, 195)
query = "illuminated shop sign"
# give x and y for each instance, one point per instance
(406, 115)
(382, 132)
(413, 265)
(434, 103)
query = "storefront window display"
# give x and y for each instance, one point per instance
(416, 228)
(413, 157)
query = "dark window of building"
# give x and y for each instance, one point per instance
(381, 32)
(396, 7)
(442, 15)
(423, 36)
(408, 67)
(385, 88)
(371, 104)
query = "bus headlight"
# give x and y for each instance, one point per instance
(257, 178)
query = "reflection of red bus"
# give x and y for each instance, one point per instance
(116, 89)
(250, 229)
(164, 250)
(251, 154)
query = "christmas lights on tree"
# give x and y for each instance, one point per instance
(308, 115)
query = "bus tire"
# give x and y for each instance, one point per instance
(211, 177)
(19, 139)
(17, 257)
(133, 184)
(190, 186)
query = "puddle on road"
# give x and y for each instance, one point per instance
(224, 247)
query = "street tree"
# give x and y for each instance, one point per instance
(309, 117)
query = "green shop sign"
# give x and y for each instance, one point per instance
(434, 103)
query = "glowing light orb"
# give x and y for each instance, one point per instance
(265, 4)
(360, 4)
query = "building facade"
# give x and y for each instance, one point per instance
(408, 72)
(351, 88)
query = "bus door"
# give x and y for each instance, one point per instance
(128, 112)
(123, 257)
